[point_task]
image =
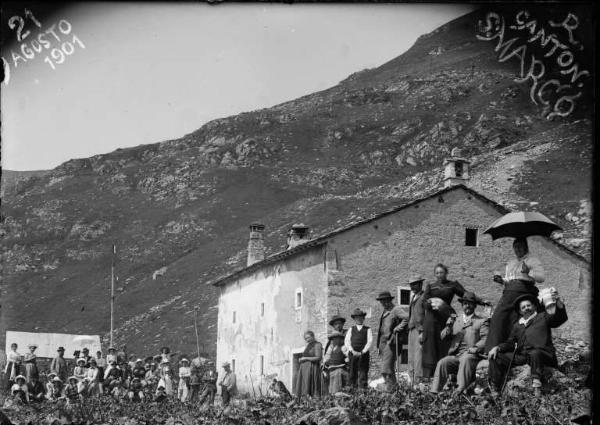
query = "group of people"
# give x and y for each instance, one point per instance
(148, 379)
(441, 342)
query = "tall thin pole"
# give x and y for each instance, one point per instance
(112, 291)
(196, 328)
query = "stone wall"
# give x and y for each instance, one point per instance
(278, 333)
(382, 254)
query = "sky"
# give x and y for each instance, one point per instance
(114, 75)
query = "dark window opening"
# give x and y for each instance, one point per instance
(471, 237)
(233, 365)
(262, 309)
(404, 296)
(404, 356)
(261, 365)
(234, 317)
(458, 169)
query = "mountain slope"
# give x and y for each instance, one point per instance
(375, 140)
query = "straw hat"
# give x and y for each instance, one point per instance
(184, 360)
(358, 312)
(71, 378)
(32, 346)
(226, 364)
(81, 360)
(20, 377)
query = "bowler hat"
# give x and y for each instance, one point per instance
(335, 334)
(534, 300)
(415, 278)
(61, 349)
(335, 319)
(385, 295)
(358, 312)
(32, 346)
(112, 349)
(226, 364)
(468, 297)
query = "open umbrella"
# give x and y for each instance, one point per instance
(521, 224)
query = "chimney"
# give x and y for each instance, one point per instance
(456, 169)
(298, 234)
(256, 244)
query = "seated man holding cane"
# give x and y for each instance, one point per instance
(467, 335)
(530, 341)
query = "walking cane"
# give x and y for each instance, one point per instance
(397, 360)
(512, 359)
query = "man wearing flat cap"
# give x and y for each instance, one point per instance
(467, 335)
(530, 340)
(59, 365)
(392, 324)
(416, 313)
(358, 342)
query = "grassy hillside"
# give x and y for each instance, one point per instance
(373, 141)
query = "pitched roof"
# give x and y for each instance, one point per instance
(321, 240)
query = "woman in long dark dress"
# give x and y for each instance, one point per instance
(437, 300)
(309, 379)
(520, 278)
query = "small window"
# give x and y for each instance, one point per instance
(403, 295)
(471, 237)
(262, 309)
(233, 365)
(298, 298)
(234, 317)
(261, 365)
(458, 169)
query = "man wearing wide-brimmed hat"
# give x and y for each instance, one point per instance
(416, 314)
(59, 365)
(467, 335)
(228, 384)
(358, 341)
(392, 324)
(531, 340)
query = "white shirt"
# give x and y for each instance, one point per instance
(348, 338)
(92, 374)
(467, 319)
(525, 322)
(514, 266)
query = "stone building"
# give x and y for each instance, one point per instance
(265, 308)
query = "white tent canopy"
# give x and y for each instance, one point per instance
(48, 343)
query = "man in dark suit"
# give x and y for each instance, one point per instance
(468, 334)
(531, 340)
(392, 325)
(416, 313)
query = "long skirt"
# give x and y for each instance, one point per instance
(433, 348)
(337, 379)
(309, 380)
(505, 314)
(31, 371)
(12, 371)
(415, 356)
